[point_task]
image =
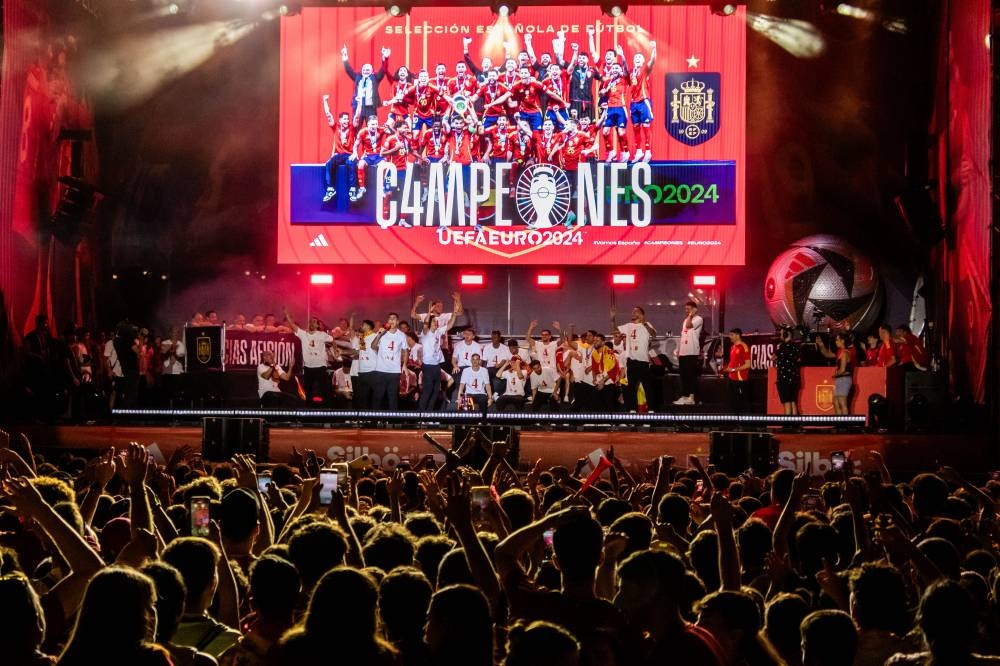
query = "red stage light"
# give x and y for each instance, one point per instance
(394, 279)
(548, 280)
(624, 279)
(472, 280)
(321, 278)
(703, 280)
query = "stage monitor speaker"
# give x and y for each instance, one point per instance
(735, 452)
(925, 400)
(476, 455)
(222, 438)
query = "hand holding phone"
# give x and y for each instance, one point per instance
(328, 479)
(201, 517)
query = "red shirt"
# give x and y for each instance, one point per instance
(528, 96)
(911, 350)
(399, 90)
(849, 353)
(343, 139)
(618, 91)
(460, 146)
(423, 99)
(522, 147)
(500, 141)
(558, 87)
(369, 142)
(544, 145)
(871, 356)
(739, 354)
(886, 353)
(490, 93)
(441, 83)
(433, 146)
(638, 88)
(400, 150)
(572, 148)
(465, 85)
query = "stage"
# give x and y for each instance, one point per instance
(906, 454)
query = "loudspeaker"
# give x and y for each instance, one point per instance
(222, 438)
(477, 454)
(925, 400)
(734, 452)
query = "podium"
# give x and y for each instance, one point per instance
(206, 347)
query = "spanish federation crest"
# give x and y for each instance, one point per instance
(204, 349)
(824, 396)
(693, 100)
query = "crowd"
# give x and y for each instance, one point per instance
(119, 560)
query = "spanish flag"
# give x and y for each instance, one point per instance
(298, 387)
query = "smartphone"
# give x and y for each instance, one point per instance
(429, 462)
(812, 502)
(328, 478)
(699, 486)
(263, 480)
(837, 459)
(480, 497)
(547, 535)
(343, 475)
(201, 516)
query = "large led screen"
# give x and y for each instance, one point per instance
(556, 135)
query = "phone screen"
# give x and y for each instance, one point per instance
(547, 535)
(201, 516)
(811, 502)
(343, 475)
(329, 480)
(837, 459)
(699, 487)
(480, 497)
(263, 480)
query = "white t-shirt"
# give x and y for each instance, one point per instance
(636, 341)
(366, 356)
(342, 382)
(545, 353)
(515, 384)
(444, 319)
(313, 347)
(431, 344)
(390, 352)
(691, 338)
(175, 365)
(268, 385)
(545, 382)
(476, 381)
(494, 356)
(463, 351)
(112, 356)
(581, 367)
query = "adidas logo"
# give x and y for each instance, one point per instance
(319, 241)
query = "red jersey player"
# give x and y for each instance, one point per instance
(493, 94)
(343, 145)
(556, 85)
(398, 111)
(499, 141)
(547, 142)
(367, 152)
(616, 89)
(641, 109)
(422, 98)
(527, 92)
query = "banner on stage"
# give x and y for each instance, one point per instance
(244, 349)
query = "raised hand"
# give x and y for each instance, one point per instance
(590, 31)
(133, 465)
(343, 52)
(24, 496)
(466, 41)
(246, 471)
(458, 509)
(103, 468)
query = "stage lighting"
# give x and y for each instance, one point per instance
(614, 10)
(396, 10)
(704, 280)
(503, 9)
(624, 279)
(548, 280)
(394, 279)
(723, 8)
(321, 278)
(472, 280)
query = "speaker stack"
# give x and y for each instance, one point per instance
(222, 438)
(735, 452)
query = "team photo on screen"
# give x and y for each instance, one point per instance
(456, 136)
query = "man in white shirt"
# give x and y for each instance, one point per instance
(464, 349)
(435, 307)
(343, 388)
(475, 384)
(433, 358)
(494, 354)
(689, 354)
(512, 374)
(314, 356)
(543, 383)
(392, 351)
(269, 374)
(577, 357)
(364, 378)
(637, 336)
(544, 349)
(173, 352)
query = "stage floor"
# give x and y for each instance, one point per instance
(973, 454)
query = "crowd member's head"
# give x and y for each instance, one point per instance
(519, 507)
(403, 599)
(197, 559)
(734, 619)
(429, 553)
(170, 595)
(638, 530)
(930, 492)
(948, 622)
(878, 598)
(578, 545)
(316, 548)
(459, 630)
(829, 638)
(239, 520)
(345, 602)
(23, 628)
(541, 644)
(674, 510)
(387, 546)
(116, 623)
(782, 619)
(274, 590)
(703, 552)
(754, 538)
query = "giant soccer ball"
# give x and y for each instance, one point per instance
(821, 282)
